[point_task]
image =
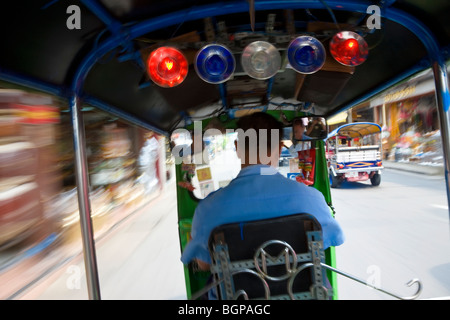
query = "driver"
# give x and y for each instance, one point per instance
(258, 192)
(298, 130)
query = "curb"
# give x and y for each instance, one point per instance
(414, 167)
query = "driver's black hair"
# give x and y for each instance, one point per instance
(262, 120)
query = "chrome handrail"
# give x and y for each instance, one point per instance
(409, 284)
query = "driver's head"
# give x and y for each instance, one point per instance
(298, 127)
(262, 135)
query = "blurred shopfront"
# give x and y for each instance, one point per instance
(409, 118)
(410, 121)
(39, 217)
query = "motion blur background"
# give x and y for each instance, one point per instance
(39, 219)
(130, 167)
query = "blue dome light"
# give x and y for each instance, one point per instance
(306, 54)
(214, 63)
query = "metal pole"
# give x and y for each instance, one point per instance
(81, 173)
(443, 104)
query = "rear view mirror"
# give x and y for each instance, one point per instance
(309, 128)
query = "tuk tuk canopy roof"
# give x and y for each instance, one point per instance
(355, 130)
(102, 60)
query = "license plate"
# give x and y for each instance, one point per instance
(351, 174)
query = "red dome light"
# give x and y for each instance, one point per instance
(167, 67)
(351, 43)
(349, 48)
(168, 63)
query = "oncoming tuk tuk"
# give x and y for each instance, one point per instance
(354, 153)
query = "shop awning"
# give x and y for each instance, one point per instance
(339, 118)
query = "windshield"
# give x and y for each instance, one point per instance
(221, 165)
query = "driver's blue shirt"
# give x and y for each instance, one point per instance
(258, 192)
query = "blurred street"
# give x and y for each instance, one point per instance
(395, 232)
(138, 260)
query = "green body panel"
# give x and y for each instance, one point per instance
(322, 183)
(186, 207)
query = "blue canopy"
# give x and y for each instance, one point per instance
(102, 58)
(356, 129)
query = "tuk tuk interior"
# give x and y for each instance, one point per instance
(95, 53)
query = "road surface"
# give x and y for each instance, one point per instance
(139, 260)
(394, 232)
